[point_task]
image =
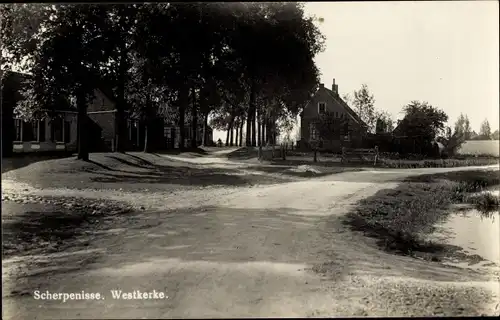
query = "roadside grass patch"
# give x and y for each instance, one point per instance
(391, 161)
(436, 163)
(401, 218)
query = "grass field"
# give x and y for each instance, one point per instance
(484, 147)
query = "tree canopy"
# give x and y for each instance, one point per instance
(241, 61)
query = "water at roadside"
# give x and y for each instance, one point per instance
(475, 232)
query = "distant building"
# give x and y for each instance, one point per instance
(326, 100)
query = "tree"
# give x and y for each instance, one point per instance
(485, 130)
(384, 122)
(120, 33)
(144, 94)
(453, 139)
(363, 103)
(268, 69)
(495, 135)
(328, 129)
(65, 55)
(462, 126)
(420, 126)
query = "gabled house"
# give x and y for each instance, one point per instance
(352, 130)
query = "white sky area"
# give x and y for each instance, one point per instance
(445, 53)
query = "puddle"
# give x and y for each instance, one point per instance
(476, 234)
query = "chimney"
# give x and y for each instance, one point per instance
(321, 85)
(335, 88)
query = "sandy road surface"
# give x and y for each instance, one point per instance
(267, 251)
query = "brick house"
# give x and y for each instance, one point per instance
(56, 133)
(162, 134)
(351, 128)
(60, 133)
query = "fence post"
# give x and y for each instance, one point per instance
(376, 156)
(342, 157)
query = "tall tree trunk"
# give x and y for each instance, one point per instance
(259, 128)
(241, 131)
(227, 134)
(236, 134)
(147, 121)
(146, 125)
(269, 133)
(231, 129)
(83, 147)
(120, 127)
(251, 117)
(254, 118)
(204, 141)
(183, 103)
(194, 124)
(231, 136)
(263, 130)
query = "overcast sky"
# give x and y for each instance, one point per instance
(445, 53)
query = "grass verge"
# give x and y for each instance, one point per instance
(400, 218)
(437, 163)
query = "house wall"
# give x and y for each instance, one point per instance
(48, 145)
(311, 114)
(102, 111)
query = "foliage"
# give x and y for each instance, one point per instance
(424, 120)
(485, 131)
(384, 122)
(462, 126)
(328, 126)
(363, 103)
(141, 52)
(495, 135)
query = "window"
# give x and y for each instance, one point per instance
(41, 130)
(18, 124)
(313, 133)
(336, 114)
(57, 130)
(30, 131)
(321, 107)
(103, 102)
(67, 131)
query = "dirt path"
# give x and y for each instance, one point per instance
(277, 250)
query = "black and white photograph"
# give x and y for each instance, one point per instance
(182, 160)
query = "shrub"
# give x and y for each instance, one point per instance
(484, 202)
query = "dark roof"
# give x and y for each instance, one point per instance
(351, 112)
(107, 91)
(339, 100)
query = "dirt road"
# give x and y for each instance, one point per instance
(270, 251)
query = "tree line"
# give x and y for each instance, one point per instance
(245, 63)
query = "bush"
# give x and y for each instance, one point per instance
(484, 202)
